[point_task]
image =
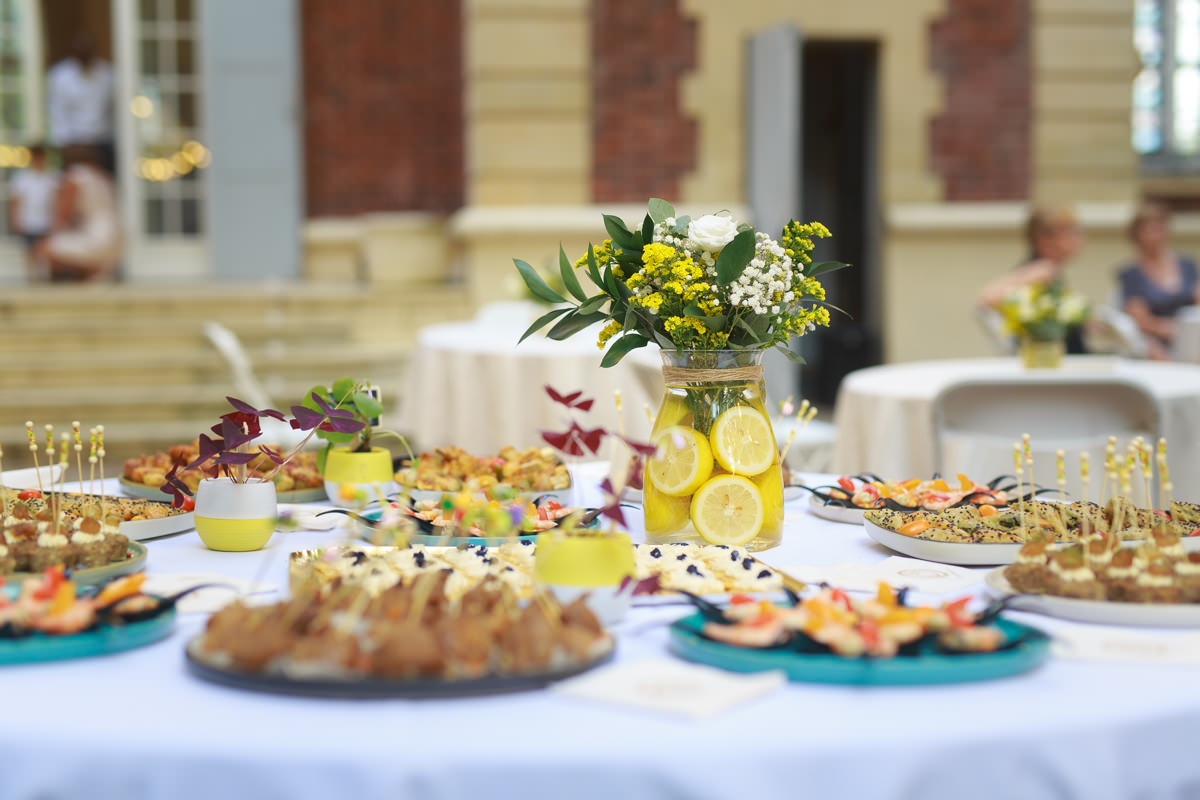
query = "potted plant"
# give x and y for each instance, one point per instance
(235, 511)
(596, 564)
(715, 294)
(355, 472)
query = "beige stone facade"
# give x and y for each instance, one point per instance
(529, 128)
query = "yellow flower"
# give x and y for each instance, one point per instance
(610, 329)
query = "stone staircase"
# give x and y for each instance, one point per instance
(135, 358)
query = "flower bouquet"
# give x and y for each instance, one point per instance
(1040, 316)
(714, 294)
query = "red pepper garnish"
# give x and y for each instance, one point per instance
(28, 494)
(189, 504)
(958, 614)
(838, 596)
(869, 629)
(51, 580)
(739, 599)
(846, 483)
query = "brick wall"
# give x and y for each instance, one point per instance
(980, 144)
(383, 121)
(642, 142)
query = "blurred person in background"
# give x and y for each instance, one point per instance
(31, 193)
(1159, 281)
(85, 240)
(1054, 237)
(79, 96)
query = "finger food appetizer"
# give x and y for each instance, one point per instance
(451, 469)
(829, 619)
(408, 633)
(53, 605)
(868, 491)
(1026, 520)
(150, 471)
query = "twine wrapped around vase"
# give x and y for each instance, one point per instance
(687, 375)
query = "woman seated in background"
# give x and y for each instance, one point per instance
(1054, 238)
(1159, 282)
(85, 241)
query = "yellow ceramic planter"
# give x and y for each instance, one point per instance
(587, 565)
(355, 479)
(235, 516)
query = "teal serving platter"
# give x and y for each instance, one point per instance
(927, 667)
(100, 641)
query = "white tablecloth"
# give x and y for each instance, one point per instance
(471, 385)
(137, 725)
(884, 415)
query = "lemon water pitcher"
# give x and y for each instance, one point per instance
(715, 478)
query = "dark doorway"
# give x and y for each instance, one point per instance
(839, 91)
(63, 20)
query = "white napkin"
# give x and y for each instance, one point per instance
(203, 600)
(305, 516)
(671, 687)
(28, 478)
(919, 576)
(1105, 643)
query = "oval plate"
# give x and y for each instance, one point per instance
(367, 534)
(927, 667)
(154, 493)
(967, 554)
(835, 513)
(103, 640)
(1159, 615)
(135, 560)
(368, 687)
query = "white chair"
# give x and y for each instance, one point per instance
(1113, 331)
(977, 422)
(812, 447)
(229, 346)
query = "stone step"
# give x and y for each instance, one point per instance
(200, 366)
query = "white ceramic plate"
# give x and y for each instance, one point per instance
(142, 529)
(28, 478)
(1160, 615)
(965, 554)
(834, 513)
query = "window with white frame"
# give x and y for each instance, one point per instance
(1166, 90)
(167, 127)
(14, 119)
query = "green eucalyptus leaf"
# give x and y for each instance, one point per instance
(813, 270)
(791, 355)
(573, 323)
(541, 321)
(593, 304)
(569, 279)
(622, 237)
(620, 347)
(593, 269)
(660, 209)
(536, 284)
(681, 225)
(732, 260)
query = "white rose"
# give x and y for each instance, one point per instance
(712, 232)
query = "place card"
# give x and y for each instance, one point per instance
(1104, 643)
(207, 600)
(920, 576)
(676, 688)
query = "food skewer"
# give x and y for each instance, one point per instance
(1110, 450)
(1084, 480)
(1028, 460)
(1164, 476)
(100, 455)
(91, 462)
(33, 448)
(1060, 462)
(64, 462)
(3, 502)
(1018, 471)
(1143, 454)
(78, 451)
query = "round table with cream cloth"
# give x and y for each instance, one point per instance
(469, 384)
(884, 415)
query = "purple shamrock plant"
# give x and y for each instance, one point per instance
(579, 441)
(234, 446)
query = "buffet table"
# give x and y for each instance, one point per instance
(884, 415)
(138, 725)
(470, 384)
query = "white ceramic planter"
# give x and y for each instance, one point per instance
(235, 516)
(353, 480)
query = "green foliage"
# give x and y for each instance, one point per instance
(351, 395)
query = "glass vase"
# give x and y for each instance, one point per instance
(1042, 353)
(716, 477)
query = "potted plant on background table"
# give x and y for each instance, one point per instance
(235, 511)
(1040, 316)
(355, 472)
(715, 295)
